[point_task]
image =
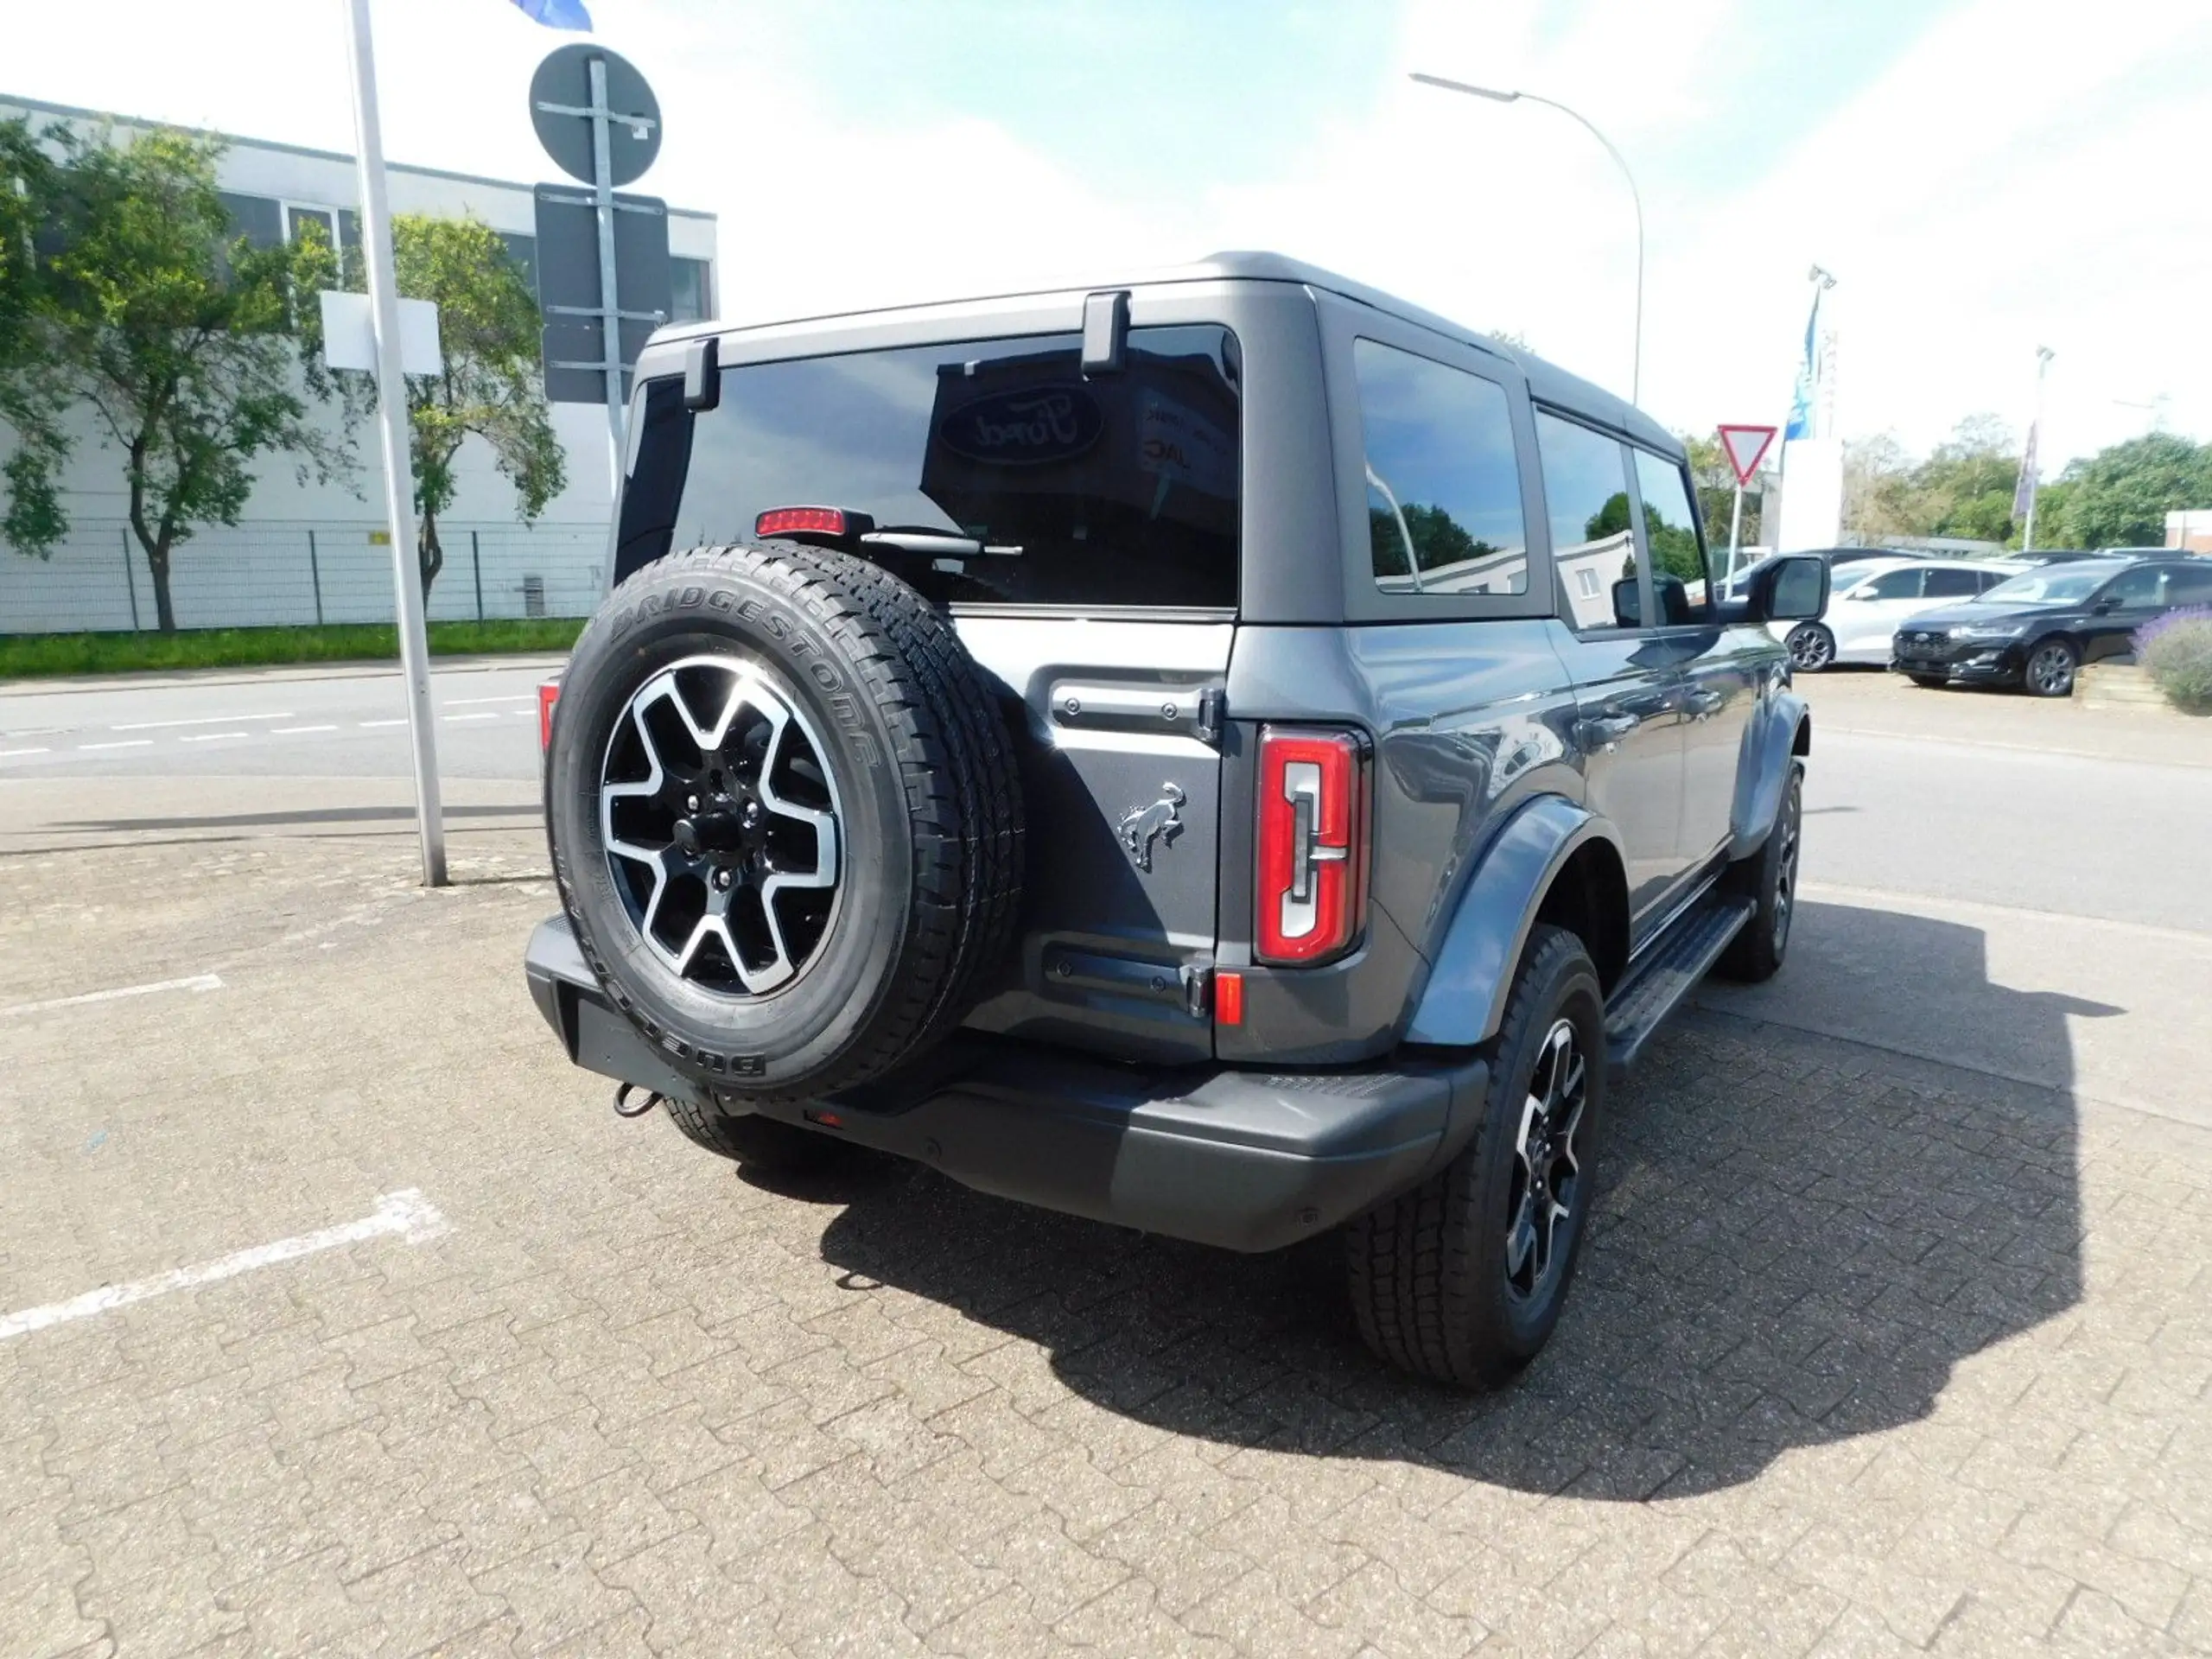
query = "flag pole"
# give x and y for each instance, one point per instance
(398, 471)
(2034, 463)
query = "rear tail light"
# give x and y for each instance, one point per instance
(549, 693)
(801, 521)
(1311, 889)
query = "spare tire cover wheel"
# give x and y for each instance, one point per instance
(759, 875)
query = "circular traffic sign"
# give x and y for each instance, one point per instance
(560, 109)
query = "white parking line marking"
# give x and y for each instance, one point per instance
(203, 719)
(210, 737)
(406, 1214)
(366, 723)
(463, 702)
(197, 983)
(293, 731)
(489, 713)
(121, 743)
(5, 754)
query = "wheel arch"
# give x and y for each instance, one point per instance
(1780, 735)
(1554, 861)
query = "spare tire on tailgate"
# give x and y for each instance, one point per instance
(785, 815)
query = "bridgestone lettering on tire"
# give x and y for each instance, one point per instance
(784, 817)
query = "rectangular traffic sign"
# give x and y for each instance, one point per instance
(1746, 447)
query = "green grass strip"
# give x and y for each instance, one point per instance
(24, 655)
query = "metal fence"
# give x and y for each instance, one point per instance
(278, 575)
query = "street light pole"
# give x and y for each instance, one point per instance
(1635, 370)
(398, 471)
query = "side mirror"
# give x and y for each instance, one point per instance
(1793, 588)
(2105, 607)
(1628, 604)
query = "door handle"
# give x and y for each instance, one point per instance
(1703, 704)
(1605, 731)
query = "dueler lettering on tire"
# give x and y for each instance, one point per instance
(784, 817)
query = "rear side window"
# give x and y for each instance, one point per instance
(1119, 490)
(1593, 547)
(1443, 487)
(1952, 584)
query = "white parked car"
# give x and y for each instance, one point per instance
(1869, 601)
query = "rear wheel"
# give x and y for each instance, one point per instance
(2050, 672)
(1462, 1279)
(1811, 648)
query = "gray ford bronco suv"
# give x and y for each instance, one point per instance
(1221, 751)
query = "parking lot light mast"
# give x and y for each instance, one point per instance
(398, 470)
(1635, 370)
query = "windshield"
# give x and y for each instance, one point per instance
(2053, 586)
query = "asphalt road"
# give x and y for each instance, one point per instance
(294, 723)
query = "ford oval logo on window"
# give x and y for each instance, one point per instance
(1036, 424)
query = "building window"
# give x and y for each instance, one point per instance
(259, 220)
(1586, 582)
(298, 218)
(691, 300)
(523, 250)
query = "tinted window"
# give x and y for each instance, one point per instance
(2188, 584)
(1953, 584)
(1678, 573)
(1443, 489)
(1586, 499)
(1891, 584)
(1118, 490)
(2133, 589)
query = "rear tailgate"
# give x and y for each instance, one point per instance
(1122, 772)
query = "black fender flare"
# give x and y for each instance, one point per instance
(1781, 729)
(1463, 1001)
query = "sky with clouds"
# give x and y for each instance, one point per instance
(1983, 177)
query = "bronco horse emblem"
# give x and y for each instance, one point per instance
(1149, 824)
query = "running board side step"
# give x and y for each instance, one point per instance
(1658, 980)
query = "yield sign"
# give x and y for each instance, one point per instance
(1746, 447)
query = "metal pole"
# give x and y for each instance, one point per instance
(315, 571)
(130, 580)
(2043, 354)
(476, 563)
(398, 472)
(1735, 529)
(1635, 365)
(602, 169)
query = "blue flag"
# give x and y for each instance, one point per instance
(1808, 374)
(557, 14)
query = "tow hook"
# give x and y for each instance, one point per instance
(622, 1106)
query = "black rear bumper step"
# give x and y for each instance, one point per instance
(1244, 1160)
(1669, 971)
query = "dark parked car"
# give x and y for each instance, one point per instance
(2038, 628)
(1228, 754)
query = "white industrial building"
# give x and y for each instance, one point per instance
(317, 552)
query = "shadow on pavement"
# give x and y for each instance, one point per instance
(1797, 1240)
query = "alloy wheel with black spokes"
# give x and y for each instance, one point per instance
(719, 813)
(1547, 1181)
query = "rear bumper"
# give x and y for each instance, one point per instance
(1244, 1160)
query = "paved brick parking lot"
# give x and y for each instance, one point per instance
(1871, 1354)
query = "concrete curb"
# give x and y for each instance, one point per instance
(155, 679)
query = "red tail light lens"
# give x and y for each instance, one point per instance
(785, 521)
(549, 693)
(1311, 889)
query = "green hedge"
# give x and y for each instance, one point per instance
(25, 655)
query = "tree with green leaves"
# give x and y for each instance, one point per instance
(188, 352)
(33, 393)
(2120, 496)
(492, 387)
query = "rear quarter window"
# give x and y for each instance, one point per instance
(1120, 490)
